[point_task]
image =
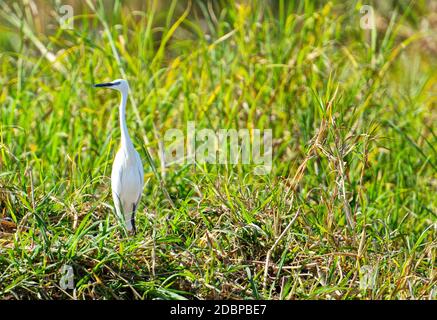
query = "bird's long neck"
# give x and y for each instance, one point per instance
(125, 138)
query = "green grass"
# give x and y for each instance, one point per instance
(353, 116)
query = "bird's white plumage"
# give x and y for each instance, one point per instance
(127, 177)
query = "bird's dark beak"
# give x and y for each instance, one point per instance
(106, 84)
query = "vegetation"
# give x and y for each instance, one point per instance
(348, 210)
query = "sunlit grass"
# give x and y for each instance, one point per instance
(353, 118)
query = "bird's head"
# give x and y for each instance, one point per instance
(118, 84)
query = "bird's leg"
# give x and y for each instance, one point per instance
(133, 231)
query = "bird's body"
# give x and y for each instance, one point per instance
(127, 177)
(127, 183)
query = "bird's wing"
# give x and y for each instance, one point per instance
(141, 177)
(140, 168)
(127, 181)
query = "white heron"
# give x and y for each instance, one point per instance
(127, 177)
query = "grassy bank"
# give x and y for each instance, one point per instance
(348, 210)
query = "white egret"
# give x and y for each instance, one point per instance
(127, 177)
